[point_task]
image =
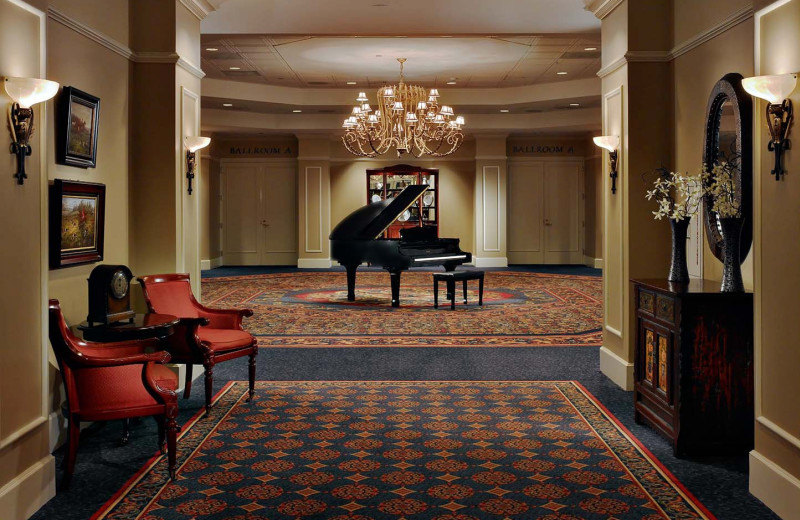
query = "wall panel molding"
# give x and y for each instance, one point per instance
(318, 247)
(777, 430)
(487, 172)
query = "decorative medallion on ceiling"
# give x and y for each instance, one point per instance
(407, 118)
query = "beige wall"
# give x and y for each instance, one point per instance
(696, 73)
(775, 462)
(26, 466)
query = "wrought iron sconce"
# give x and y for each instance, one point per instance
(776, 90)
(24, 93)
(193, 143)
(610, 143)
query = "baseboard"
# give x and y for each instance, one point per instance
(314, 263)
(619, 371)
(29, 491)
(490, 261)
(596, 263)
(771, 484)
(213, 263)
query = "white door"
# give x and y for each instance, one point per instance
(563, 213)
(526, 214)
(259, 214)
(545, 212)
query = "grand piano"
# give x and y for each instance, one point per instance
(356, 240)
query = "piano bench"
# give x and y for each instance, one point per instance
(450, 278)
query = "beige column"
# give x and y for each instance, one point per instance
(165, 218)
(313, 202)
(635, 245)
(491, 168)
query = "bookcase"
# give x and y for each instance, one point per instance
(384, 183)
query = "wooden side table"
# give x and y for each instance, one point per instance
(450, 278)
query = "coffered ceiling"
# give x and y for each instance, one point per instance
(349, 62)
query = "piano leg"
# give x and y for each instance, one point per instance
(449, 266)
(395, 279)
(351, 282)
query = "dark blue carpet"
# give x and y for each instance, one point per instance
(720, 483)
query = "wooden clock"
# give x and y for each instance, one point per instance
(110, 294)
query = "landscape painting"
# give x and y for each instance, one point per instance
(78, 118)
(77, 217)
(78, 223)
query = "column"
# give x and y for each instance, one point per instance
(491, 166)
(314, 201)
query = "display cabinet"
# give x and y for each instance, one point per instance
(384, 183)
(693, 365)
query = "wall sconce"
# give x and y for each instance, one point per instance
(610, 143)
(776, 90)
(193, 143)
(25, 92)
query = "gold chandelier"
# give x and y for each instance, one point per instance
(408, 118)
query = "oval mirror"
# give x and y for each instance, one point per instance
(728, 137)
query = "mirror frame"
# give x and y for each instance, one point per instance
(729, 89)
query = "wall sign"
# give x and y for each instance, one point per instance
(252, 148)
(544, 147)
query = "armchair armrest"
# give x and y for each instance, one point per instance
(117, 354)
(225, 318)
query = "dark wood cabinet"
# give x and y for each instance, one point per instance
(384, 183)
(693, 365)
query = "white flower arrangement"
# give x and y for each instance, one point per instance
(722, 188)
(678, 195)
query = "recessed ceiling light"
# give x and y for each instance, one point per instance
(451, 82)
(212, 49)
(504, 110)
(352, 83)
(296, 111)
(379, 55)
(574, 104)
(239, 68)
(562, 73)
(590, 49)
(443, 36)
(227, 104)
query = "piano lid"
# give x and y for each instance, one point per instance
(370, 221)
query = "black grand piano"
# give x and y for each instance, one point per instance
(356, 240)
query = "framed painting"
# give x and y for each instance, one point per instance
(78, 116)
(77, 219)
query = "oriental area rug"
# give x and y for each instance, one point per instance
(310, 309)
(406, 450)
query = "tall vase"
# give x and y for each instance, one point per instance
(731, 231)
(678, 272)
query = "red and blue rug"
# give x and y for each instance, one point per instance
(310, 309)
(407, 450)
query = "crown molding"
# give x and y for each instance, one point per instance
(602, 8)
(94, 35)
(192, 69)
(612, 67)
(155, 57)
(699, 39)
(199, 8)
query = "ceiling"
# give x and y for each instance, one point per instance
(399, 17)
(459, 62)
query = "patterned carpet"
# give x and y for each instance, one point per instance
(310, 309)
(422, 450)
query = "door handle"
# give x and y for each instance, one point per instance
(264, 223)
(547, 222)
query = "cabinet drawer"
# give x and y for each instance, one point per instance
(665, 308)
(647, 302)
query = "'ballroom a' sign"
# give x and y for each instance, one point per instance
(544, 147)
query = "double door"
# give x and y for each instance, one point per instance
(545, 212)
(259, 213)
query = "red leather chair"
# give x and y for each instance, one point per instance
(105, 381)
(205, 336)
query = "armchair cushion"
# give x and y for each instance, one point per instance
(119, 387)
(224, 339)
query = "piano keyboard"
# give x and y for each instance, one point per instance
(433, 258)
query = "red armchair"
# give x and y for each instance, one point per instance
(205, 336)
(105, 381)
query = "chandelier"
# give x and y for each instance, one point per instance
(408, 118)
